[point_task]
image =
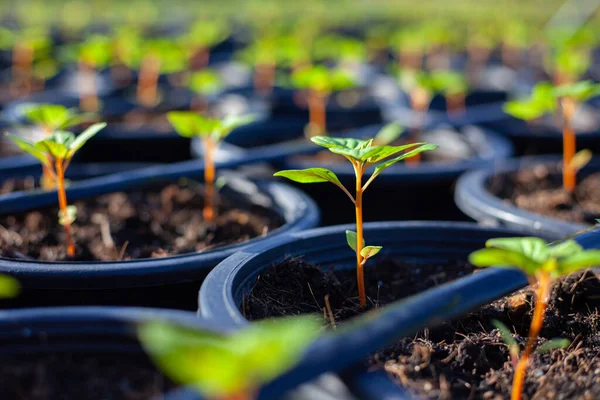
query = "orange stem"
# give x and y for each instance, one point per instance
(569, 147)
(22, 69)
(455, 104)
(360, 273)
(62, 204)
(209, 180)
(317, 117)
(541, 304)
(88, 101)
(419, 99)
(148, 81)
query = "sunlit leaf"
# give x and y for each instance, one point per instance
(352, 239)
(578, 261)
(388, 134)
(84, 136)
(533, 248)
(310, 175)
(370, 251)
(30, 148)
(411, 153)
(553, 344)
(68, 217)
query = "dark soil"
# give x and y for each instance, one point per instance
(539, 189)
(295, 287)
(17, 185)
(137, 224)
(75, 376)
(467, 359)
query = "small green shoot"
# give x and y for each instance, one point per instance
(542, 264)
(320, 82)
(211, 131)
(362, 154)
(230, 367)
(55, 153)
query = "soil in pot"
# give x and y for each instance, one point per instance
(467, 358)
(539, 189)
(150, 223)
(73, 376)
(295, 286)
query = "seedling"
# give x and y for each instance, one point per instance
(55, 153)
(363, 154)
(344, 50)
(92, 55)
(542, 264)
(262, 54)
(211, 131)
(51, 118)
(230, 367)
(453, 85)
(320, 83)
(202, 35)
(204, 83)
(544, 99)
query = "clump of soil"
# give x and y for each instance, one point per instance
(295, 286)
(467, 358)
(74, 376)
(539, 189)
(151, 223)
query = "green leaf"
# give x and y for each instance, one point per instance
(68, 217)
(52, 116)
(30, 148)
(389, 134)
(526, 110)
(220, 366)
(76, 119)
(206, 82)
(578, 261)
(310, 175)
(534, 248)
(57, 144)
(553, 344)
(565, 248)
(420, 149)
(349, 147)
(235, 121)
(84, 136)
(503, 258)
(352, 239)
(507, 336)
(581, 91)
(370, 251)
(9, 286)
(186, 123)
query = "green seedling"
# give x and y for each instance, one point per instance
(262, 55)
(229, 367)
(344, 50)
(204, 83)
(571, 52)
(363, 154)
(516, 39)
(544, 100)
(542, 264)
(201, 36)
(453, 85)
(320, 83)
(94, 54)
(211, 131)
(55, 153)
(51, 118)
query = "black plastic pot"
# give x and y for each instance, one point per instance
(87, 330)
(165, 282)
(402, 192)
(378, 385)
(474, 199)
(222, 292)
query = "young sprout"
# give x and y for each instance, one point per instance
(542, 264)
(363, 154)
(344, 50)
(204, 83)
(92, 55)
(229, 367)
(262, 54)
(572, 56)
(202, 35)
(320, 83)
(55, 153)
(50, 118)
(544, 99)
(453, 85)
(211, 131)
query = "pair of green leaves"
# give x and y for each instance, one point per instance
(205, 82)
(219, 366)
(54, 116)
(189, 124)
(60, 145)
(446, 82)
(534, 255)
(544, 98)
(514, 348)
(367, 251)
(322, 79)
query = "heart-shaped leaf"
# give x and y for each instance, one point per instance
(352, 240)
(370, 251)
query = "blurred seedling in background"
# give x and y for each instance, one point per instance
(320, 82)
(204, 84)
(211, 131)
(201, 36)
(55, 153)
(363, 154)
(545, 99)
(51, 118)
(229, 367)
(543, 264)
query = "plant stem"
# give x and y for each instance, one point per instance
(419, 100)
(317, 102)
(455, 104)
(360, 273)
(209, 179)
(569, 179)
(148, 81)
(541, 303)
(264, 78)
(88, 101)
(62, 204)
(22, 68)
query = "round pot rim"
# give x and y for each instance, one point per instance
(472, 197)
(153, 271)
(215, 297)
